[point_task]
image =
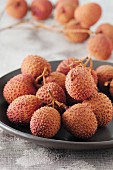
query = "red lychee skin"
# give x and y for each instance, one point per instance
(80, 84)
(45, 122)
(18, 86)
(41, 9)
(100, 46)
(16, 8)
(56, 91)
(88, 14)
(65, 65)
(106, 29)
(22, 108)
(34, 65)
(58, 78)
(75, 37)
(80, 121)
(102, 108)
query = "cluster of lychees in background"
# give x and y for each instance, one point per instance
(76, 21)
(67, 97)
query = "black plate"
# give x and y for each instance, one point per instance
(63, 140)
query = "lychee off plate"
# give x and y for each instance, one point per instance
(63, 140)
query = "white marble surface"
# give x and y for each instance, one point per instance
(19, 154)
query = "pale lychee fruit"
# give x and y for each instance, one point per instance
(106, 29)
(22, 108)
(80, 120)
(45, 122)
(16, 8)
(100, 47)
(56, 91)
(80, 84)
(102, 108)
(74, 2)
(77, 37)
(58, 78)
(105, 74)
(41, 9)
(34, 65)
(88, 14)
(65, 65)
(18, 86)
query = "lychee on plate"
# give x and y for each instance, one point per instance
(44, 93)
(35, 65)
(80, 121)
(45, 122)
(19, 85)
(100, 47)
(22, 108)
(88, 14)
(80, 84)
(75, 37)
(105, 75)
(102, 108)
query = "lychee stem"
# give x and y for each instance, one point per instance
(43, 75)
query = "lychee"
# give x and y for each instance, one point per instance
(16, 8)
(34, 65)
(58, 78)
(22, 108)
(45, 122)
(77, 37)
(100, 46)
(80, 84)
(74, 2)
(80, 120)
(88, 14)
(102, 108)
(17, 86)
(41, 9)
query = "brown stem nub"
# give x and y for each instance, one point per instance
(42, 76)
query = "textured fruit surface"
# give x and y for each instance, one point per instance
(80, 84)
(95, 77)
(17, 86)
(16, 8)
(34, 65)
(65, 66)
(57, 92)
(105, 74)
(100, 47)
(70, 101)
(111, 88)
(102, 108)
(41, 9)
(58, 78)
(75, 37)
(88, 14)
(80, 120)
(22, 108)
(106, 29)
(45, 122)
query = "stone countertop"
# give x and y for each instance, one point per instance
(19, 154)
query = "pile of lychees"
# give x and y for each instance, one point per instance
(67, 97)
(76, 21)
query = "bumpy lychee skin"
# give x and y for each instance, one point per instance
(95, 77)
(102, 108)
(80, 84)
(65, 65)
(105, 74)
(57, 92)
(45, 122)
(58, 78)
(80, 121)
(18, 86)
(16, 8)
(106, 29)
(41, 9)
(22, 108)
(34, 65)
(100, 46)
(70, 101)
(77, 37)
(88, 14)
